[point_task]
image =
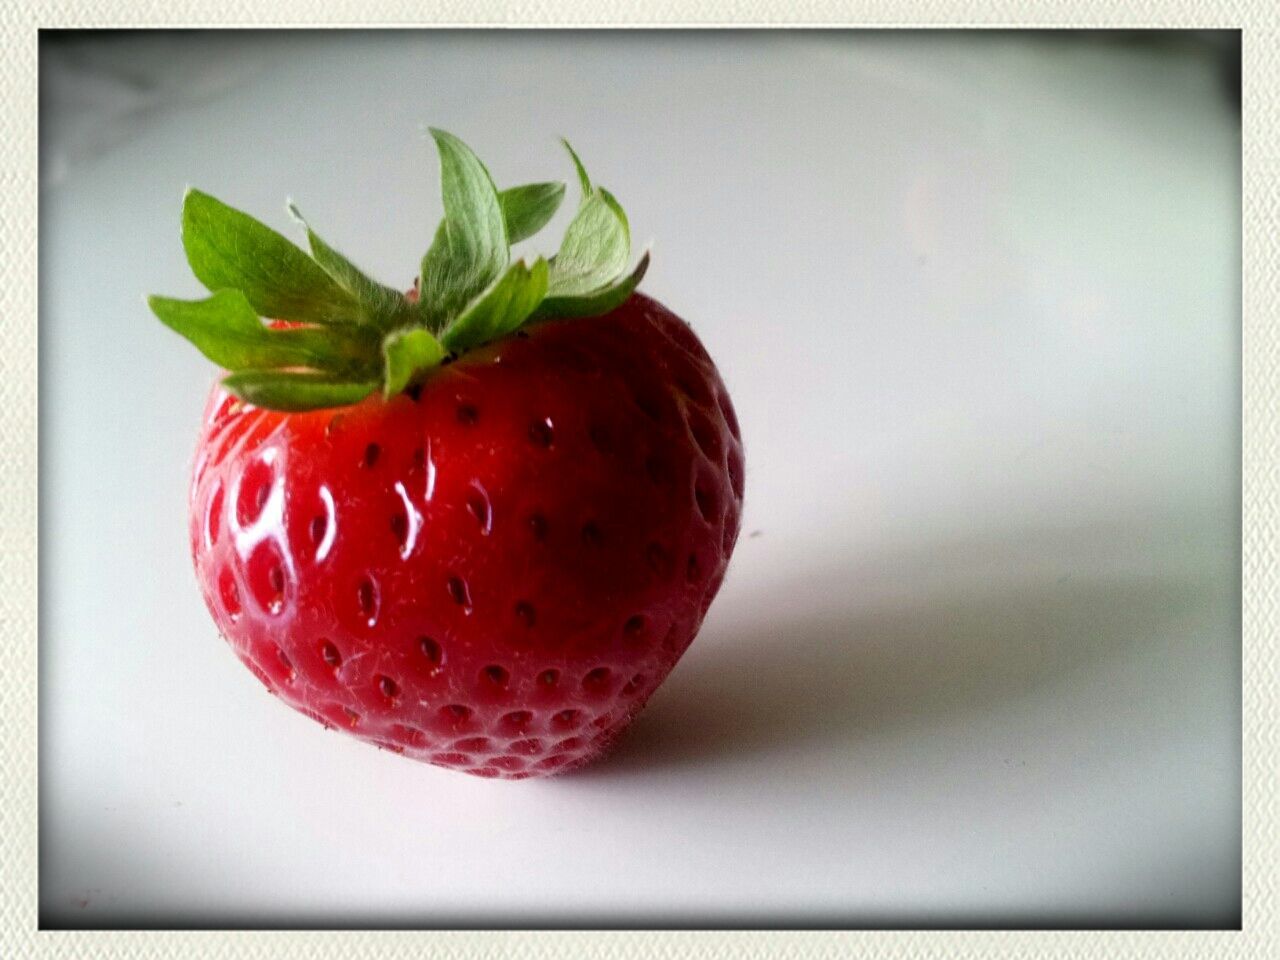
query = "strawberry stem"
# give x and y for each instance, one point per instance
(349, 335)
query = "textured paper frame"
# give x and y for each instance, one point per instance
(19, 933)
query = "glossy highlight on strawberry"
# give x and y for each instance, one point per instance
(493, 566)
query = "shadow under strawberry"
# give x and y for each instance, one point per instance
(760, 687)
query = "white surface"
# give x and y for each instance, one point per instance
(976, 300)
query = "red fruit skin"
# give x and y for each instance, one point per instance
(493, 576)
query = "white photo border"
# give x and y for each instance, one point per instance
(20, 936)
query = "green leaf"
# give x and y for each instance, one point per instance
(227, 330)
(293, 391)
(597, 302)
(595, 249)
(583, 180)
(408, 353)
(379, 304)
(230, 250)
(501, 309)
(471, 250)
(527, 209)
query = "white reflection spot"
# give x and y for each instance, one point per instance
(415, 522)
(331, 524)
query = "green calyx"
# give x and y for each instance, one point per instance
(345, 335)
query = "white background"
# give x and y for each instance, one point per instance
(977, 659)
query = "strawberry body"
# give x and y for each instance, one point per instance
(492, 572)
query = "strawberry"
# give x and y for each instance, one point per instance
(477, 524)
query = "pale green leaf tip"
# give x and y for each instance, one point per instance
(584, 181)
(151, 300)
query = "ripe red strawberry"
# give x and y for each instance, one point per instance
(493, 563)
